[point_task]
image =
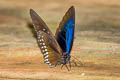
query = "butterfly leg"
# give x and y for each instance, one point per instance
(62, 66)
(56, 63)
(70, 64)
(67, 67)
(74, 62)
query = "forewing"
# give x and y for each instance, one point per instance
(38, 23)
(65, 31)
(49, 47)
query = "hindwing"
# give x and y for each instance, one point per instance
(49, 48)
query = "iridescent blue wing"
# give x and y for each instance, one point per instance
(65, 32)
(48, 45)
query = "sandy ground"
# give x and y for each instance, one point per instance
(97, 41)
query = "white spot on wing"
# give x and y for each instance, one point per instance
(46, 53)
(42, 40)
(46, 56)
(44, 46)
(43, 29)
(46, 60)
(45, 49)
(43, 43)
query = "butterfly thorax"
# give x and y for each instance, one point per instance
(65, 58)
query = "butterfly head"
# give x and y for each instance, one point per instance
(65, 58)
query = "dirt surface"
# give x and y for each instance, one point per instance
(96, 45)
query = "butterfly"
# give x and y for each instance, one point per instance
(55, 49)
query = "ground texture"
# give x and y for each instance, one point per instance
(96, 45)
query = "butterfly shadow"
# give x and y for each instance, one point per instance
(31, 27)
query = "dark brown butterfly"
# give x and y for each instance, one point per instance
(55, 49)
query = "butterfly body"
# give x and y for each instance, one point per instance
(55, 49)
(65, 59)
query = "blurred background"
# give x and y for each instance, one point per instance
(96, 45)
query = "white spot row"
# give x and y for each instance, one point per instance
(43, 47)
(46, 53)
(46, 56)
